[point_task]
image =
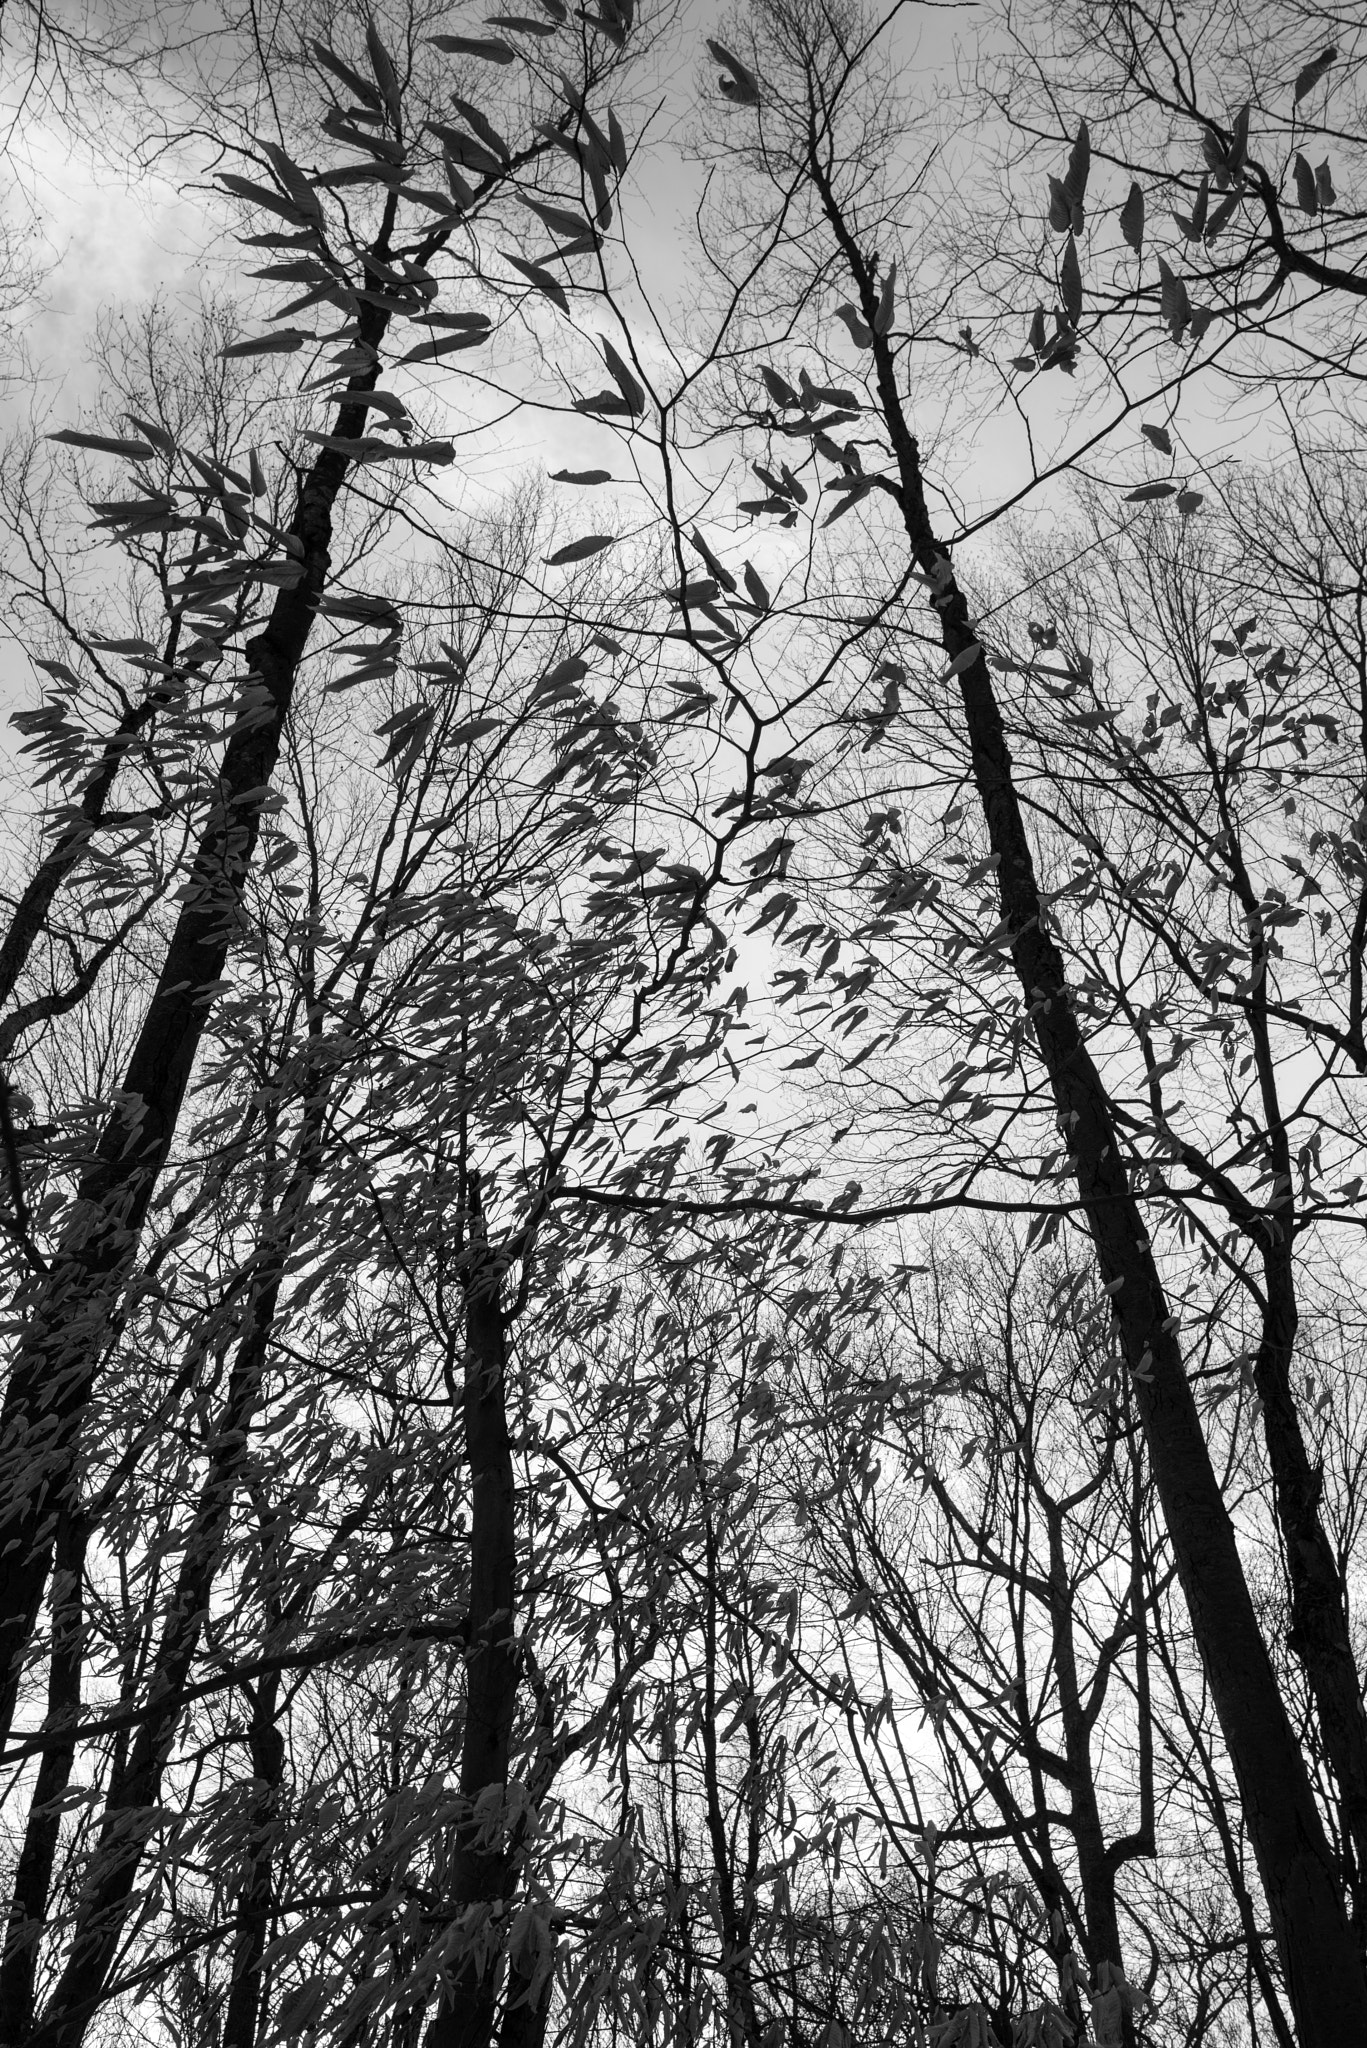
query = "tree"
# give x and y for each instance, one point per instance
(497, 1460)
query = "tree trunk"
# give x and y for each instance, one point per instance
(1319, 1634)
(481, 1876)
(33, 1877)
(252, 1918)
(135, 1784)
(70, 1313)
(1320, 1958)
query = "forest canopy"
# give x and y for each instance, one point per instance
(682, 1025)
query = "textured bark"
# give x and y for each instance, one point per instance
(482, 1876)
(1322, 1965)
(69, 1313)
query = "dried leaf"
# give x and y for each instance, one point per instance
(1070, 283)
(1132, 219)
(863, 335)
(103, 444)
(1309, 76)
(492, 48)
(579, 550)
(544, 280)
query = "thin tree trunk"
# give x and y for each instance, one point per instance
(1319, 1635)
(481, 1875)
(33, 1876)
(68, 848)
(70, 1311)
(252, 1919)
(135, 1782)
(1319, 1954)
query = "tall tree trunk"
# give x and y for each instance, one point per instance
(33, 1876)
(252, 1918)
(70, 1311)
(135, 1782)
(1323, 1967)
(1319, 1635)
(481, 1876)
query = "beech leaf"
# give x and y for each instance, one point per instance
(1309, 76)
(1132, 219)
(492, 48)
(579, 550)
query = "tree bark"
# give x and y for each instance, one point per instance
(1319, 1635)
(1320, 1959)
(481, 1874)
(33, 1876)
(252, 1918)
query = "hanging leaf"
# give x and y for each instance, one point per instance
(965, 658)
(1147, 492)
(863, 335)
(558, 219)
(1070, 283)
(492, 48)
(1079, 163)
(521, 24)
(444, 345)
(742, 87)
(1309, 76)
(352, 80)
(284, 342)
(408, 727)
(294, 181)
(1132, 219)
(543, 279)
(262, 195)
(382, 64)
(605, 404)
(717, 570)
(754, 583)
(1193, 225)
(462, 149)
(256, 474)
(572, 669)
(1222, 216)
(631, 391)
(1324, 186)
(485, 130)
(1187, 502)
(1176, 306)
(581, 476)
(103, 444)
(579, 550)
(882, 319)
(1159, 437)
(1307, 197)
(158, 436)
